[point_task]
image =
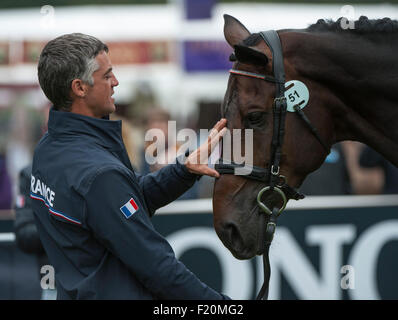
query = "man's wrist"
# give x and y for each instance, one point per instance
(182, 160)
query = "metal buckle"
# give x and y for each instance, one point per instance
(275, 173)
(282, 181)
(264, 207)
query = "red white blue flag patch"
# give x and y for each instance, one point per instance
(129, 208)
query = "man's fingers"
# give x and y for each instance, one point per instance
(204, 151)
(213, 142)
(210, 172)
(217, 127)
(220, 134)
(221, 124)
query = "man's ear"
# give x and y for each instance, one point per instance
(234, 31)
(79, 88)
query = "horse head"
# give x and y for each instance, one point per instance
(249, 105)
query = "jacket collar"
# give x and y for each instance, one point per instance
(105, 132)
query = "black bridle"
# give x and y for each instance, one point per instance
(271, 175)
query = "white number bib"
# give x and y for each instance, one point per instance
(297, 94)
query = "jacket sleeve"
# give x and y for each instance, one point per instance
(165, 185)
(116, 215)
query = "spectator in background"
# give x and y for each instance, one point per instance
(129, 139)
(362, 180)
(207, 113)
(159, 119)
(26, 234)
(144, 99)
(372, 160)
(18, 143)
(5, 186)
(331, 178)
(352, 168)
(25, 229)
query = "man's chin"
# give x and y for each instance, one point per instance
(111, 108)
(106, 112)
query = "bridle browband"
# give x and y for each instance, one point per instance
(271, 175)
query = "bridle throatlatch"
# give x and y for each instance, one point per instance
(271, 175)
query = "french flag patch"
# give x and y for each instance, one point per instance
(129, 208)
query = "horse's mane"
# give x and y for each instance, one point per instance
(362, 26)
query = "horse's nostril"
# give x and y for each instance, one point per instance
(233, 235)
(231, 229)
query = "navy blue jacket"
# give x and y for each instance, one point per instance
(93, 215)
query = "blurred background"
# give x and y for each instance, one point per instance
(171, 60)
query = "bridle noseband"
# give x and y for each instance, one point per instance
(271, 175)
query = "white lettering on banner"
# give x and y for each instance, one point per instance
(331, 239)
(288, 257)
(40, 188)
(364, 256)
(236, 274)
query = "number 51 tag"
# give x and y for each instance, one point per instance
(296, 93)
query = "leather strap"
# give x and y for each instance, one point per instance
(271, 37)
(258, 174)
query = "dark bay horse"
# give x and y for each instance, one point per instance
(352, 80)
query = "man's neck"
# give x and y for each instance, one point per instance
(82, 109)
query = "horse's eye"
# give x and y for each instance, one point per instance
(255, 119)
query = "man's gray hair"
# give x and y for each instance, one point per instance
(68, 57)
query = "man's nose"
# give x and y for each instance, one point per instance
(115, 82)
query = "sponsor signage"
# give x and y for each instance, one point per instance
(324, 248)
(317, 253)
(120, 52)
(140, 52)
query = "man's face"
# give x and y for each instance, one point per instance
(99, 96)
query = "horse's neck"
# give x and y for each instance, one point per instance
(363, 76)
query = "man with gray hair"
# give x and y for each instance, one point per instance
(91, 209)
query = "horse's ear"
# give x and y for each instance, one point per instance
(234, 31)
(248, 55)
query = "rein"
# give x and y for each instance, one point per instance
(276, 182)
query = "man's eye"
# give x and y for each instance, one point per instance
(255, 119)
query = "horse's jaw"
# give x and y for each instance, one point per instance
(237, 219)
